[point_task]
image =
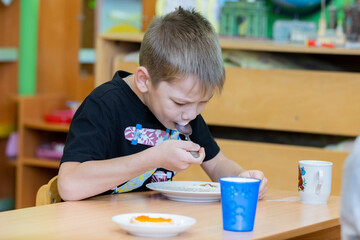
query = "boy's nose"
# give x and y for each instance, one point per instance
(189, 115)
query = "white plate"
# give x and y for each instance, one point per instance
(181, 224)
(188, 191)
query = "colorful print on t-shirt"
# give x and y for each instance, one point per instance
(151, 137)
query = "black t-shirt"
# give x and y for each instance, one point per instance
(113, 122)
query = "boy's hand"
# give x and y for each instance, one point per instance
(175, 154)
(259, 175)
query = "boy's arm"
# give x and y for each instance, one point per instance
(221, 166)
(82, 180)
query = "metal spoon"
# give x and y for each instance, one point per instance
(186, 131)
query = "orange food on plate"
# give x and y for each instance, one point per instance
(154, 221)
(207, 184)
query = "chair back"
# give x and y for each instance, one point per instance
(48, 193)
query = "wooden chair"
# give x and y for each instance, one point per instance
(48, 193)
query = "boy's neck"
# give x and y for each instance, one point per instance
(131, 83)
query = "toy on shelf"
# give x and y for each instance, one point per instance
(53, 150)
(59, 116)
(119, 16)
(244, 18)
(12, 147)
(352, 24)
(62, 116)
(330, 36)
(314, 43)
(293, 30)
(210, 9)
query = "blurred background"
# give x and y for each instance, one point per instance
(48, 47)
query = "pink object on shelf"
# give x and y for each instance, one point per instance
(50, 151)
(12, 145)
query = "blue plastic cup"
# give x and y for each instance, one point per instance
(239, 197)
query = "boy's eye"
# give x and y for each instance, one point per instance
(179, 104)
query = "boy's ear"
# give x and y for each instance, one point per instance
(142, 79)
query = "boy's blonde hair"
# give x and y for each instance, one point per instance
(180, 44)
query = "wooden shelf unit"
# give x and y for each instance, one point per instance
(32, 172)
(235, 43)
(9, 43)
(46, 163)
(299, 101)
(41, 125)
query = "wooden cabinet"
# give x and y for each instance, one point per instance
(280, 100)
(64, 78)
(9, 42)
(32, 172)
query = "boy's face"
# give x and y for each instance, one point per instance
(179, 101)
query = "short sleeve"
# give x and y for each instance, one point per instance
(88, 133)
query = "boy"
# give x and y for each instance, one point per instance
(122, 136)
